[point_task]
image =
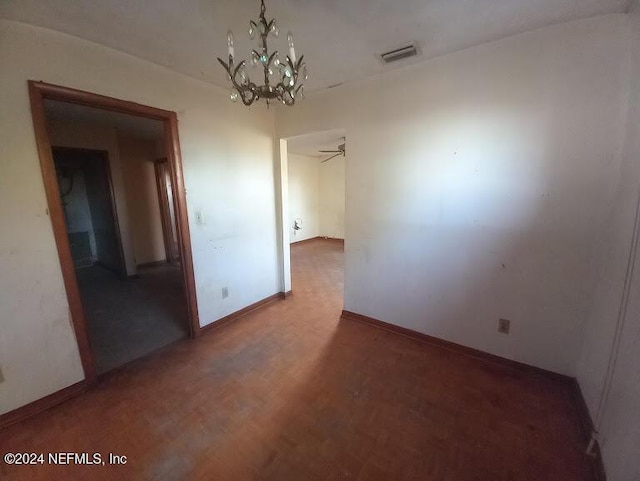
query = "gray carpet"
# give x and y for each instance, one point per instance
(129, 318)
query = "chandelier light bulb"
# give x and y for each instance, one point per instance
(230, 43)
(292, 50)
(252, 32)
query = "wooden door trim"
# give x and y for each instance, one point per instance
(38, 92)
(52, 193)
(172, 149)
(165, 217)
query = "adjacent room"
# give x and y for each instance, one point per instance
(282, 240)
(316, 196)
(316, 168)
(115, 189)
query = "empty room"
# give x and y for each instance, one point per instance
(315, 204)
(283, 240)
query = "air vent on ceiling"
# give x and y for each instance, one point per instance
(399, 53)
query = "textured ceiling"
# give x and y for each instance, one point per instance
(340, 38)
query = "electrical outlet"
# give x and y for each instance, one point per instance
(504, 326)
(225, 292)
(1, 375)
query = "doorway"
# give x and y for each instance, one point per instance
(109, 283)
(312, 177)
(86, 192)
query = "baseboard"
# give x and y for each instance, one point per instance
(452, 346)
(334, 239)
(595, 460)
(243, 312)
(151, 264)
(41, 405)
(310, 239)
(304, 241)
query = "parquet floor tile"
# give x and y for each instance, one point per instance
(290, 393)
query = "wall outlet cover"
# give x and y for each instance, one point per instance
(504, 326)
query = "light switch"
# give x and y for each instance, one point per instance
(199, 217)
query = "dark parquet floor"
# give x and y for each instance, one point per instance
(291, 393)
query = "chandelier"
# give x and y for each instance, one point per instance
(283, 78)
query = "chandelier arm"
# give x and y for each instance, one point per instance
(250, 88)
(241, 89)
(271, 57)
(233, 72)
(224, 64)
(237, 69)
(285, 90)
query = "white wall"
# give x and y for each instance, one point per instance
(619, 423)
(303, 196)
(143, 204)
(477, 184)
(331, 200)
(316, 195)
(228, 165)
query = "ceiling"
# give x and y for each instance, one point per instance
(340, 38)
(310, 144)
(139, 127)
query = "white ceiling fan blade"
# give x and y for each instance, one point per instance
(333, 156)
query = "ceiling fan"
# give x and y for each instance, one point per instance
(340, 151)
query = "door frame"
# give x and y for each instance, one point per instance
(165, 215)
(38, 92)
(106, 167)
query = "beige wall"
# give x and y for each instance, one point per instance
(137, 156)
(478, 183)
(303, 196)
(227, 153)
(316, 195)
(331, 193)
(610, 360)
